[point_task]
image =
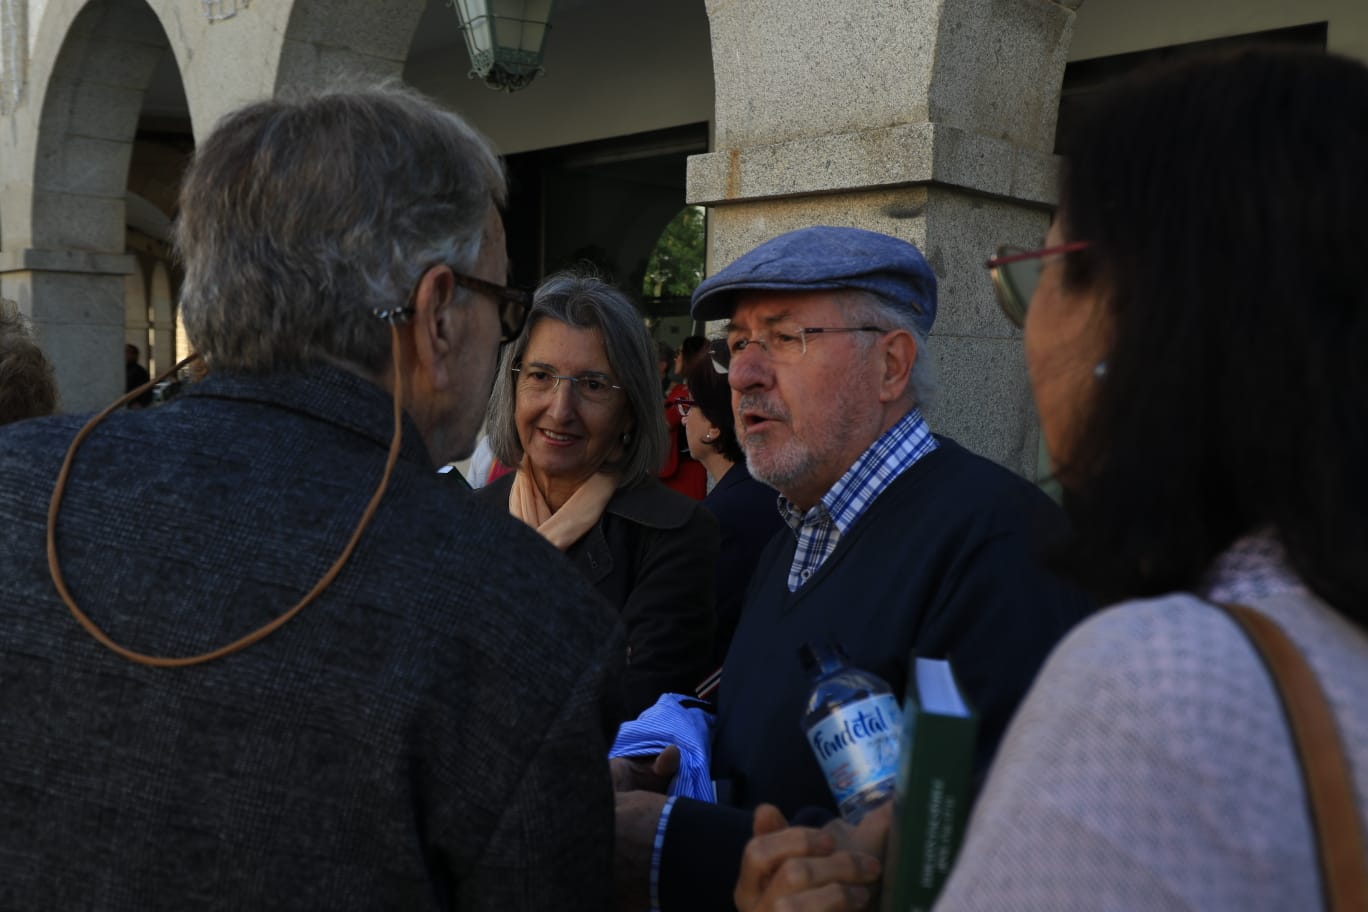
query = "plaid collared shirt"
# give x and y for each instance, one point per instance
(820, 528)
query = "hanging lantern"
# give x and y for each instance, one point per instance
(505, 39)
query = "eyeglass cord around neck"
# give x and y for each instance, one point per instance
(261, 632)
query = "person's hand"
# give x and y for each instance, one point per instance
(637, 819)
(648, 773)
(800, 869)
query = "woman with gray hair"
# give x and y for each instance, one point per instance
(576, 408)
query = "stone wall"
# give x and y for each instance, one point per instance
(930, 121)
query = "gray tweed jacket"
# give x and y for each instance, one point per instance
(430, 733)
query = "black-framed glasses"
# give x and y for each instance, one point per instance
(537, 380)
(513, 303)
(684, 405)
(1016, 273)
(784, 346)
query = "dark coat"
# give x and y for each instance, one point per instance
(944, 563)
(747, 512)
(652, 554)
(429, 733)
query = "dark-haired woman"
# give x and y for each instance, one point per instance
(747, 510)
(681, 471)
(1197, 335)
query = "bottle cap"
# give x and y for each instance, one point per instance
(825, 651)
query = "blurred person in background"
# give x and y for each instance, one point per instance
(28, 387)
(665, 358)
(681, 471)
(135, 375)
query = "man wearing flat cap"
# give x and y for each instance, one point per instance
(903, 544)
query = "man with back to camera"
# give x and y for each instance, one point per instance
(903, 542)
(430, 731)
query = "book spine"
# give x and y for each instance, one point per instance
(930, 809)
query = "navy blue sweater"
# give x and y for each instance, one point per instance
(945, 563)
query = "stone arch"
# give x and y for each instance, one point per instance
(346, 43)
(71, 263)
(88, 121)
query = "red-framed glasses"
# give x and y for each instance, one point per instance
(1016, 272)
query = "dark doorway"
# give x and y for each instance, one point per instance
(602, 204)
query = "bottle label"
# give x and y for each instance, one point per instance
(857, 746)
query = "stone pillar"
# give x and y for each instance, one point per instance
(348, 43)
(64, 180)
(78, 319)
(930, 120)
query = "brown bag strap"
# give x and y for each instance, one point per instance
(1325, 766)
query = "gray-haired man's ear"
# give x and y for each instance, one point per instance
(899, 356)
(433, 327)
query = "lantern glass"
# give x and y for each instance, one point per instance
(505, 39)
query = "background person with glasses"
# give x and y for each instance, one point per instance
(576, 408)
(682, 472)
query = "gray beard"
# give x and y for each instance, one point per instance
(777, 469)
(779, 466)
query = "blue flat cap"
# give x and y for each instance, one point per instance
(826, 258)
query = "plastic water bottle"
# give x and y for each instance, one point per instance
(853, 724)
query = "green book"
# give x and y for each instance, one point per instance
(931, 802)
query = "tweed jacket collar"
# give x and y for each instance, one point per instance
(323, 392)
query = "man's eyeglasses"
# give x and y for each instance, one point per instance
(684, 405)
(538, 381)
(784, 346)
(513, 303)
(1016, 273)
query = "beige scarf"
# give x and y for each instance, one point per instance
(576, 516)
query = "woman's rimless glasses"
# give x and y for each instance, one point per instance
(537, 380)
